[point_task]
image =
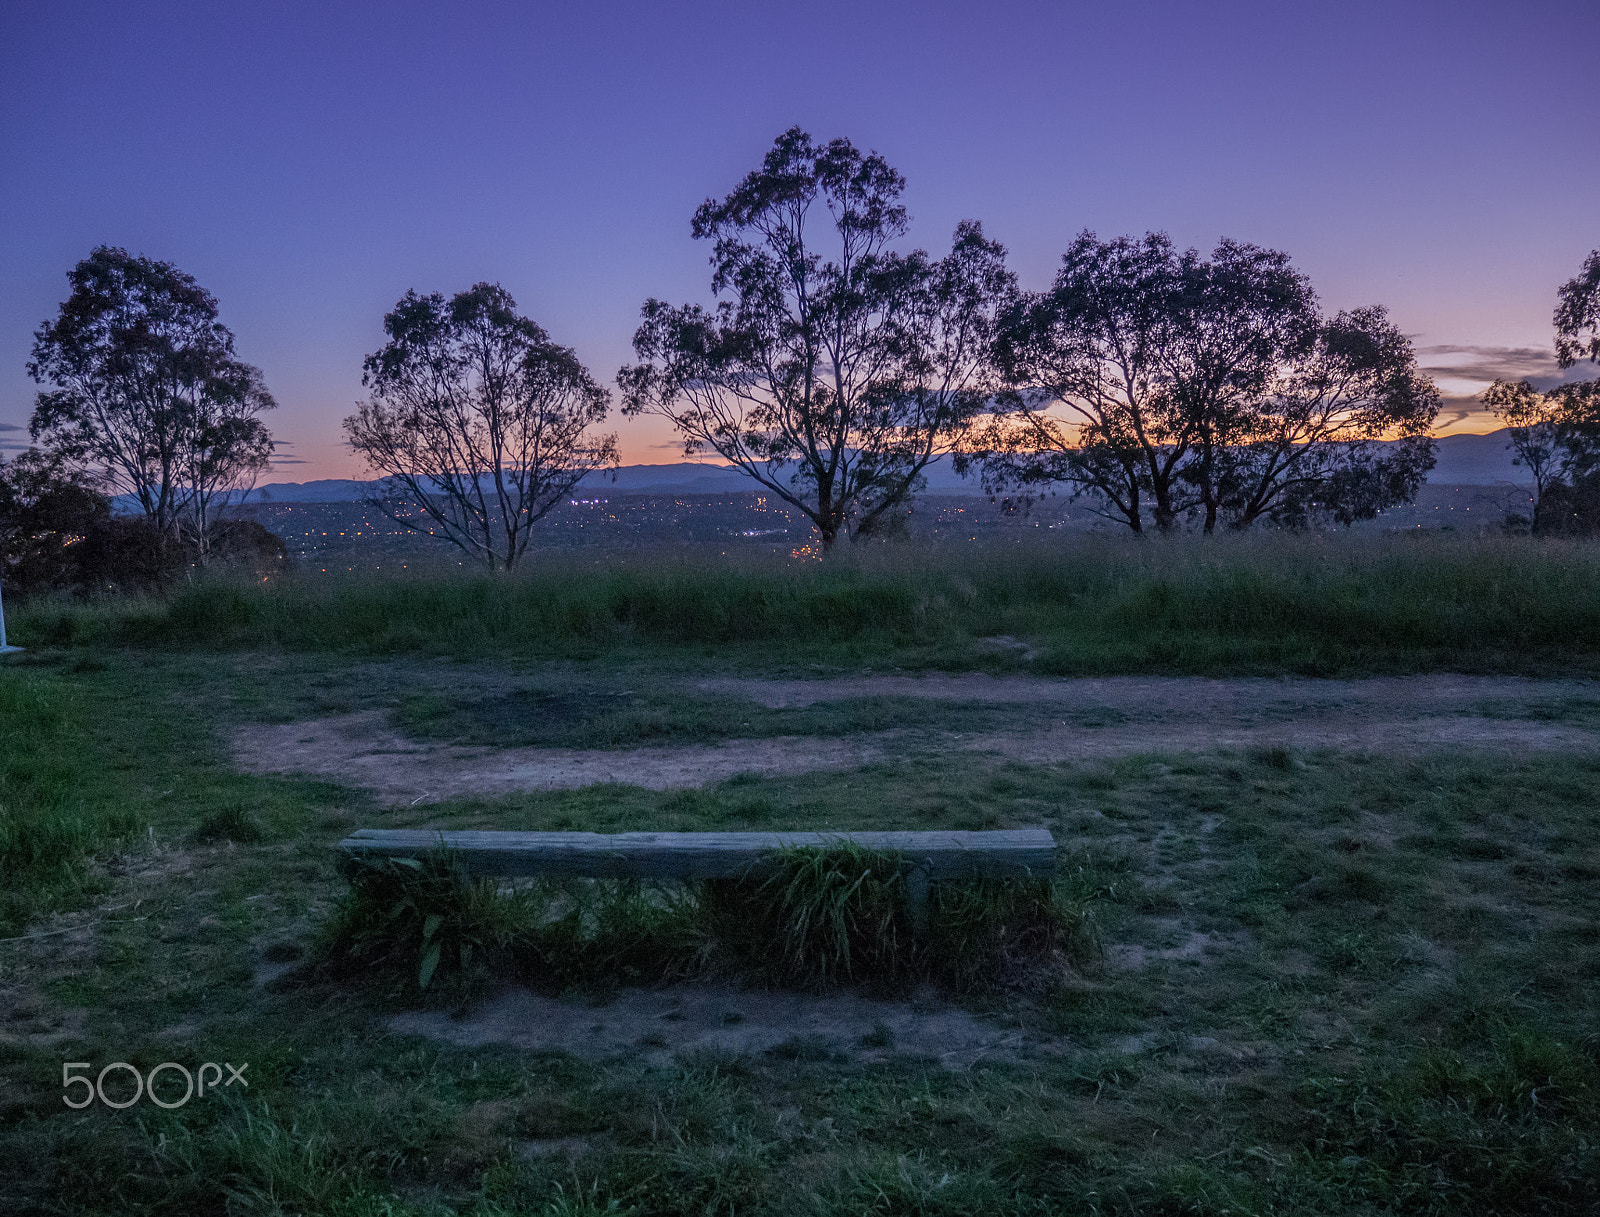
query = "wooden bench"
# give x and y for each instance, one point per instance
(687, 856)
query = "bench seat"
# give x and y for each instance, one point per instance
(688, 856)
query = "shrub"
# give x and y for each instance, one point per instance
(58, 534)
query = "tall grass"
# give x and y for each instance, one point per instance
(425, 922)
(817, 917)
(808, 918)
(48, 827)
(1090, 604)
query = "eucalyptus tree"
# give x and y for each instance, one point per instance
(228, 450)
(833, 368)
(477, 420)
(1340, 431)
(1534, 422)
(148, 394)
(1577, 318)
(1209, 388)
(1556, 433)
(1237, 317)
(1136, 368)
(1090, 346)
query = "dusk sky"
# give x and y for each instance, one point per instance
(308, 163)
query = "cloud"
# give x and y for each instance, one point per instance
(1481, 365)
(284, 458)
(1464, 415)
(9, 427)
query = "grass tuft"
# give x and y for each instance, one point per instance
(230, 823)
(424, 918)
(812, 918)
(818, 917)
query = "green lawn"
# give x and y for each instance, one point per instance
(1329, 984)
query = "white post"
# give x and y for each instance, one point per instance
(4, 649)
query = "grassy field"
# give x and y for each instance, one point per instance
(1320, 983)
(1309, 605)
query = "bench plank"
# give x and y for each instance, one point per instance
(1008, 853)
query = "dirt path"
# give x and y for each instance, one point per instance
(363, 750)
(1101, 718)
(662, 1022)
(1180, 697)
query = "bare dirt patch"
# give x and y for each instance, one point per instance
(363, 750)
(1246, 699)
(660, 1023)
(1099, 718)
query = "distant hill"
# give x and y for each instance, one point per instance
(1476, 460)
(684, 477)
(1463, 460)
(330, 490)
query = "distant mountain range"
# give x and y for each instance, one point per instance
(1463, 460)
(685, 477)
(1476, 460)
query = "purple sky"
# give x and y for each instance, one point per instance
(310, 162)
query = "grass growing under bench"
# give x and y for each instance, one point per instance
(813, 918)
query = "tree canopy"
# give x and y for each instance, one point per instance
(148, 392)
(1173, 385)
(834, 368)
(1556, 434)
(1577, 318)
(46, 509)
(477, 419)
(1340, 431)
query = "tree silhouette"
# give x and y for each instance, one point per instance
(1340, 432)
(478, 420)
(1556, 434)
(1164, 382)
(1577, 318)
(833, 369)
(148, 392)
